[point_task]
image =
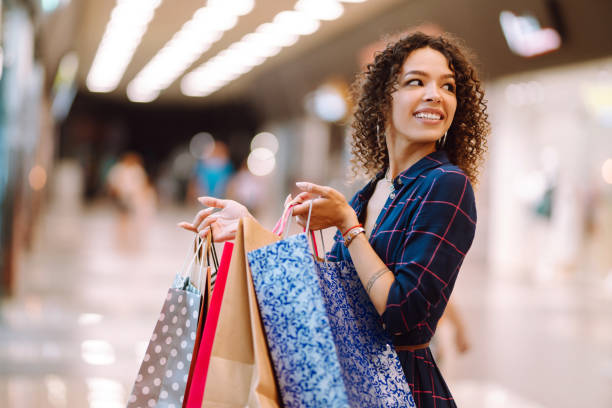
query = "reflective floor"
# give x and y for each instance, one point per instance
(86, 303)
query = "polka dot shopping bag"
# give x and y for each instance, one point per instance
(164, 372)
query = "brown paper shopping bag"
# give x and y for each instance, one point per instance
(241, 373)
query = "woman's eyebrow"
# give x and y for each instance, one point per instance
(425, 74)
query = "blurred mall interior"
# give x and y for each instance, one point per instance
(161, 101)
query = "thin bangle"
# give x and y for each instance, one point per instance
(375, 277)
(352, 228)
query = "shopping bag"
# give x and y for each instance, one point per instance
(315, 364)
(240, 370)
(198, 379)
(296, 325)
(208, 257)
(371, 369)
(164, 371)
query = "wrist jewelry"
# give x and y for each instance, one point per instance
(375, 277)
(350, 236)
(352, 228)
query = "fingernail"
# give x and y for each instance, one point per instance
(301, 184)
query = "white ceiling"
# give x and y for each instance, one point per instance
(333, 49)
(80, 27)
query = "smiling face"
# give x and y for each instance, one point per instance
(424, 104)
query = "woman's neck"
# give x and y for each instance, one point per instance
(403, 157)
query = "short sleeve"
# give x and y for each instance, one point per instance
(435, 243)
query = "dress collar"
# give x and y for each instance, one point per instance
(432, 160)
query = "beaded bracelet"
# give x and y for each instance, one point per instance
(350, 236)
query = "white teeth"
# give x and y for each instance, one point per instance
(428, 115)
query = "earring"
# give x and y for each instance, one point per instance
(442, 141)
(378, 135)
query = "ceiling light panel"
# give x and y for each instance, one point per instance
(128, 23)
(254, 48)
(195, 37)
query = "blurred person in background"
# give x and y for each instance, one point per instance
(419, 132)
(133, 196)
(212, 172)
(248, 189)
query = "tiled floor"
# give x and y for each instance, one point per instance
(74, 333)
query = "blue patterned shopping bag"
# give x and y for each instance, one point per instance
(315, 364)
(371, 370)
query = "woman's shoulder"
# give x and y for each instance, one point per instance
(446, 173)
(447, 180)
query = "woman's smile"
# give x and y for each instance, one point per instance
(429, 115)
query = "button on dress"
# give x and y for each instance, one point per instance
(422, 234)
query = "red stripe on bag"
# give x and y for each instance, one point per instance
(196, 391)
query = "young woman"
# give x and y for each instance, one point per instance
(420, 132)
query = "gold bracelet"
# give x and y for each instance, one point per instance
(350, 236)
(375, 277)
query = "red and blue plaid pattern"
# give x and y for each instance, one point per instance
(422, 233)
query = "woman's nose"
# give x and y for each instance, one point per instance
(432, 93)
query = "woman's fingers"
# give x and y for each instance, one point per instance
(201, 215)
(222, 230)
(208, 221)
(301, 209)
(187, 226)
(303, 196)
(212, 202)
(313, 188)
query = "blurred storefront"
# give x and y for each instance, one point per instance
(25, 136)
(550, 173)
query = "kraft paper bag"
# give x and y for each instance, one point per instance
(241, 373)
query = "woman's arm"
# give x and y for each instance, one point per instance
(330, 208)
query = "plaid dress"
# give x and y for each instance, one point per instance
(422, 233)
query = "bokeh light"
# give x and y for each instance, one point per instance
(261, 161)
(97, 352)
(328, 102)
(105, 393)
(265, 140)
(201, 145)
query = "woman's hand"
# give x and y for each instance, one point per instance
(223, 223)
(329, 208)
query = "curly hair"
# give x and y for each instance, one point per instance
(466, 138)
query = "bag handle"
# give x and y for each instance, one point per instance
(197, 243)
(210, 252)
(283, 225)
(312, 234)
(287, 224)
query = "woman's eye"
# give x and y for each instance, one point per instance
(449, 87)
(414, 82)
